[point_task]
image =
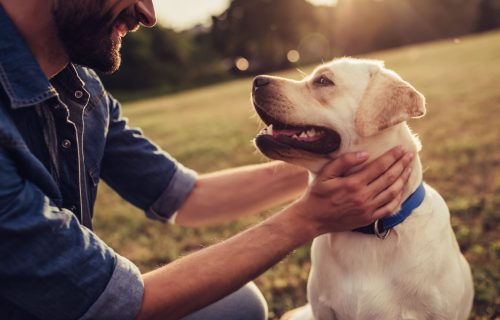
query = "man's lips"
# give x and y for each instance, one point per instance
(126, 23)
(130, 18)
(122, 29)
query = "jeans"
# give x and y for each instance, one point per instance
(247, 303)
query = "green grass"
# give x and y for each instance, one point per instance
(211, 128)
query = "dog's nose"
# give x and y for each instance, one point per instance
(260, 82)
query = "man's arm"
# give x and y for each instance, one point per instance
(332, 203)
(230, 194)
(51, 267)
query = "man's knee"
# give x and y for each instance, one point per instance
(255, 303)
(247, 303)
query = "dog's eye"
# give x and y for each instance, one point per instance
(323, 81)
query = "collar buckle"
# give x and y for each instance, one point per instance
(377, 232)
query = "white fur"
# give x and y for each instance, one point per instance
(418, 272)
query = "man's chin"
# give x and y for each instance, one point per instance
(109, 68)
(106, 63)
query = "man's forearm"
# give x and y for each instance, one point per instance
(231, 194)
(331, 204)
(201, 278)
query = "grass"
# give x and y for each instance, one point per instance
(211, 128)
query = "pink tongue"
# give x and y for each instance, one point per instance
(288, 133)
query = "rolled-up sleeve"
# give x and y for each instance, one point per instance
(123, 295)
(141, 172)
(51, 266)
(172, 198)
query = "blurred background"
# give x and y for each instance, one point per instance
(202, 42)
(187, 84)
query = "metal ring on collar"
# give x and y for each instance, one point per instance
(377, 231)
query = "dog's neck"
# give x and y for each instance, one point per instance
(381, 143)
(375, 146)
(390, 138)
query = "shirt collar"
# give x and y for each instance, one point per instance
(20, 75)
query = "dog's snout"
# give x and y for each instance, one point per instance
(260, 82)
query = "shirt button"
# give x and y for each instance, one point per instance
(72, 208)
(57, 107)
(66, 144)
(78, 94)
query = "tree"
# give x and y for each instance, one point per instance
(263, 31)
(489, 15)
(162, 58)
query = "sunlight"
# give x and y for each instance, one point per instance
(323, 2)
(181, 15)
(187, 13)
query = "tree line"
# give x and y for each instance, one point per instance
(258, 36)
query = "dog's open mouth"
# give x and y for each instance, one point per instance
(309, 138)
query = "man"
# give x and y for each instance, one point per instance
(61, 132)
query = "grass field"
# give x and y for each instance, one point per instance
(212, 128)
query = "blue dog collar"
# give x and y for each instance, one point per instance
(383, 226)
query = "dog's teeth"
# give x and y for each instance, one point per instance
(295, 136)
(311, 133)
(303, 135)
(270, 129)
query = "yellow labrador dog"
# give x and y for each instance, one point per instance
(406, 266)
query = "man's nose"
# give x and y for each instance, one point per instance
(146, 12)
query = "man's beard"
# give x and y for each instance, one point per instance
(88, 35)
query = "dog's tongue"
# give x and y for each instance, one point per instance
(286, 132)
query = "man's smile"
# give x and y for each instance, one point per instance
(128, 21)
(122, 29)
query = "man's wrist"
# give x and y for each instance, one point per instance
(298, 224)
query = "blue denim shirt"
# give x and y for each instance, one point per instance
(58, 138)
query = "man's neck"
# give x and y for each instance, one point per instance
(34, 21)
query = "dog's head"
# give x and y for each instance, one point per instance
(336, 108)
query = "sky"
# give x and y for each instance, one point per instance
(183, 14)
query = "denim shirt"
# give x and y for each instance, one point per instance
(58, 138)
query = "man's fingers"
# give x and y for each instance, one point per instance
(399, 170)
(389, 208)
(390, 193)
(340, 166)
(380, 165)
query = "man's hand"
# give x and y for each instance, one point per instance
(337, 202)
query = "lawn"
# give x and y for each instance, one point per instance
(212, 128)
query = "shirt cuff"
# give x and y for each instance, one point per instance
(122, 298)
(179, 188)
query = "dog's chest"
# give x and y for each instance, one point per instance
(362, 277)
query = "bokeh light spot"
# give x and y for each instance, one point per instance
(293, 56)
(242, 64)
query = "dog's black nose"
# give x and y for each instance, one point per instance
(261, 81)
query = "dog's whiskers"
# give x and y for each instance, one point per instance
(302, 72)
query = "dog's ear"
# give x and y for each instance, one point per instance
(387, 101)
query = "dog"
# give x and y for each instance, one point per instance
(413, 270)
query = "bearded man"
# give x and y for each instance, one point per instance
(61, 132)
